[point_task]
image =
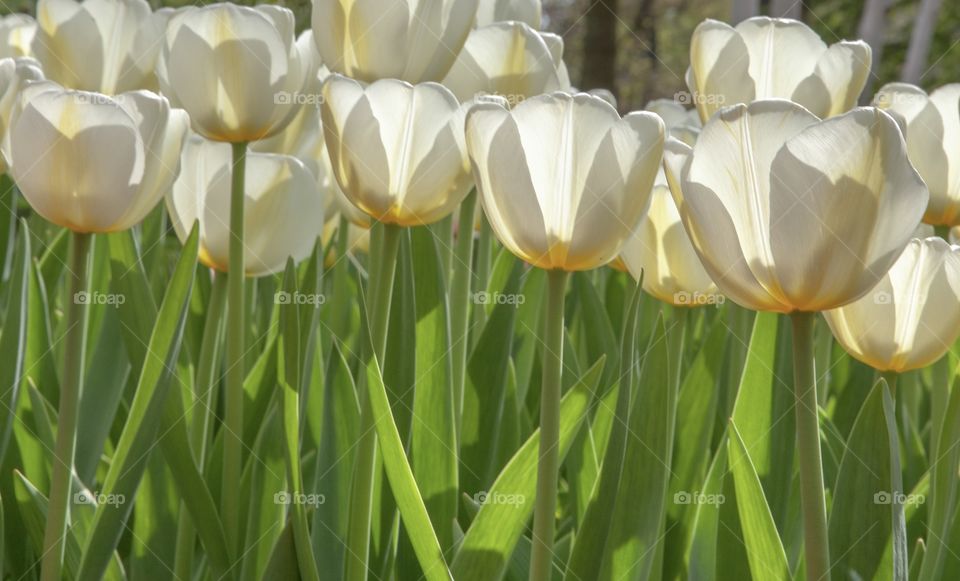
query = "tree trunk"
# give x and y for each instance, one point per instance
(923, 29)
(872, 29)
(786, 9)
(598, 70)
(743, 9)
(645, 23)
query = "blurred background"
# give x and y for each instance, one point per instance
(639, 48)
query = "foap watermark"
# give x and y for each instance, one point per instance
(698, 98)
(299, 298)
(698, 298)
(882, 298)
(512, 99)
(99, 298)
(498, 298)
(885, 497)
(297, 98)
(285, 498)
(484, 497)
(98, 498)
(697, 497)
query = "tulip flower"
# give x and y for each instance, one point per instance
(563, 181)
(303, 139)
(237, 70)
(912, 317)
(284, 206)
(15, 73)
(792, 214)
(492, 11)
(509, 59)
(931, 125)
(107, 46)
(407, 40)
(767, 58)
(555, 201)
(661, 251)
(16, 35)
(90, 162)
(397, 149)
(765, 176)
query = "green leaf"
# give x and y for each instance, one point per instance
(944, 484)
(485, 394)
(760, 537)
(13, 340)
(696, 410)
(866, 496)
(491, 539)
(413, 512)
(640, 510)
(139, 431)
(433, 451)
(611, 431)
(289, 352)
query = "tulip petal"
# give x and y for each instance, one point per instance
(846, 189)
(77, 157)
(782, 52)
(508, 59)
(726, 188)
(719, 68)
(503, 181)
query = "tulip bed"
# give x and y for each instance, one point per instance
(413, 307)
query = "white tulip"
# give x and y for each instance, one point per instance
(767, 58)
(283, 207)
(492, 11)
(107, 46)
(509, 59)
(16, 35)
(931, 125)
(912, 317)
(237, 70)
(91, 162)
(790, 213)
(661, 250)
(397, 149)
(563, 179)
(14, 74)
(411, 40)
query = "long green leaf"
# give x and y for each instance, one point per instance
(137, 439)
(490, 541)
(865, 496)
(413, 512)
(760, 537)
(640, 510)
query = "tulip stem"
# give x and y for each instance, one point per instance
(812, 499)
(236, 330)
(71, 390)
(541, 563)
(385, 244)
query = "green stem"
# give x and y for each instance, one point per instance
(206, 382)
(678, 335)
(942, 232)
(549, 466)
(236, 330)
(482, 268)
(812, 500)
(58, 509)
(386, 242)
(460, 301)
